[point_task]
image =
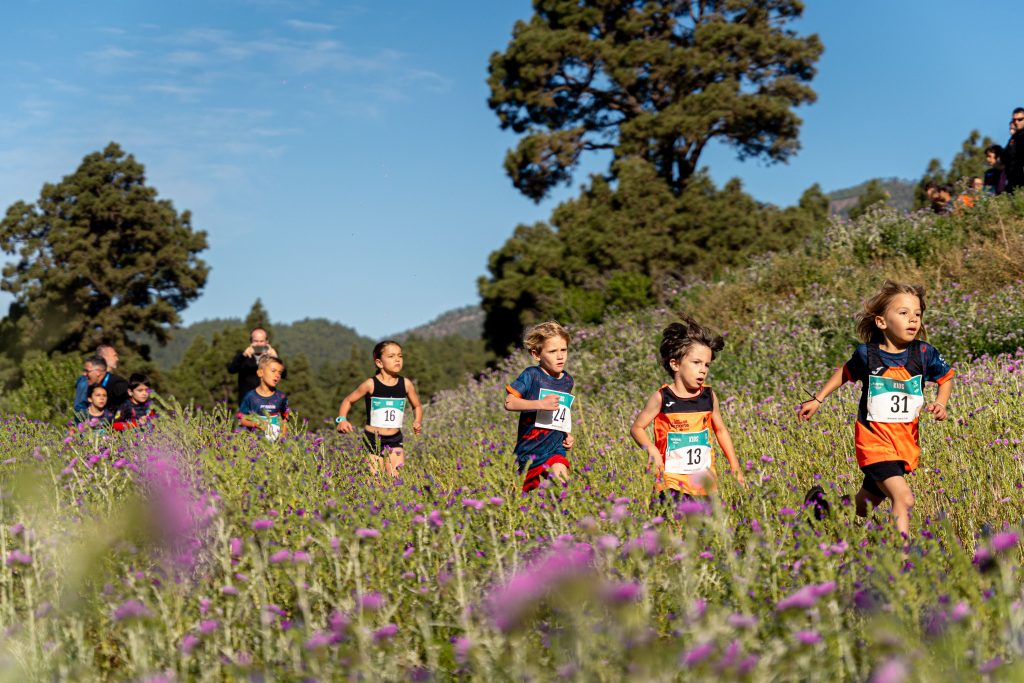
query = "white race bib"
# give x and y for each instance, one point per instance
(272, 429)
(894, 400)
(559, 419)
(688, 452)
(387, 413)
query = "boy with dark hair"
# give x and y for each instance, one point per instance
(995, 179)
(138, 409)
(265, 408)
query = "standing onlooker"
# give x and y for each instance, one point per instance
(96, 373)
(995, 179)
(245, 363)
(110, 357)
(1013, 153)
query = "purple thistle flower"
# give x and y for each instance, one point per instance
(805, 597)
(371, 601)
(385, 632)
(697, 654)
(188, 643)
(960, 611)
(693, 508)
(472, 503)
(893, 671)
(622, 593)
(1004, 541)
(510, 603)
(462, 646)
(235, 547)
(262, 524)
(991, 665)
(497, 500)
(320, 640)
(338, 622)
(301, 557)
(281, 556)
(608, 542)
(367, 533)
(435, 517)
(229, 590)
(131, 609)
(18, 557)
(808, 637)
(747, 665)
(208, 626)
(742, 621)
(16, 529)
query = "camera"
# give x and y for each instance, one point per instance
(260, 350)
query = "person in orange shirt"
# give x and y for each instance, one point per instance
(685, 414)
(893, 364)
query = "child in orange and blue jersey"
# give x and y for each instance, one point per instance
(685, 414)
(542, 394)
(893, 364)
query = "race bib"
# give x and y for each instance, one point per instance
(894, 400)
(688, 452)
(387, 413)
(559, 419)
(272, 428)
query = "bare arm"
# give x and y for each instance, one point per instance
(417, 408)
(346, 404)
(810, 406)
(515, 404)
(639, 433)
(938, 409)
(725, 441)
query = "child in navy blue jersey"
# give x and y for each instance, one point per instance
(386, 395)
(96, 414)
(542, 394)
(138, 409)
(265, 408)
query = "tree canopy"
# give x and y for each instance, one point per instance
(653, 79)
(100, 258)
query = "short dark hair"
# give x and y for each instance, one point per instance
(678, 338)
(137, 379)
(995, 149)
(96, 361)
(379, 348)
(1019, 110)
(93, 388)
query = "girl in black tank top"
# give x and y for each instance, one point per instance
(388, 396)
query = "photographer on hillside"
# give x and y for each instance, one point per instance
(245, 362)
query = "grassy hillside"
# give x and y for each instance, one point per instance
(190, 551)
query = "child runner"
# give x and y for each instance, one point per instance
(685, 414)
(96, 415)
(542, 396)
(386, 395)
(138, 409)
(892, 364)
(265, 408)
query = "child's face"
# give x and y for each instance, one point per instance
(902, 319)
(390, 360)
(552, 355)
(139, 394)
(693, 369)
(271, 374)
(990, 158)
(978, 184)
(99, 398)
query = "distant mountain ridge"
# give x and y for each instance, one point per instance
(466, 322)
(901, 195)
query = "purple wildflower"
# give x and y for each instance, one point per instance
(367, 533)
(1004, 541)
(622, 593)
(18, 557)
(808, 637)
(262, 524)
(235, 547)
(281, 556)
(698, 654)
(130, 610)
(208, 626)
(893, 671)
(385, 632)
(188, 643)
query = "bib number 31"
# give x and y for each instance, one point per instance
(894, 400)
(687, 452)
(559, 419)
(387, 413)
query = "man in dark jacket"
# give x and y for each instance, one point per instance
(1013, 153)
(245, 362)
(95, 370)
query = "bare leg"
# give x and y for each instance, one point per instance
(394, 459)
(560, 472)
(898, 491)
(863, 498)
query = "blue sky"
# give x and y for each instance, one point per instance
(342, 157)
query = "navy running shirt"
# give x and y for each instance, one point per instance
(536, 441)
(275, 405)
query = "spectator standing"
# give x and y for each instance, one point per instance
(995, 179)
(97, 373)
(1013, 153)
(246, 362)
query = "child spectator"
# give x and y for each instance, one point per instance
(265, 408)
(542, 394)
(892, 364)
(685, 414)
(995, 178)
(385, 394)
(96, 414)
(138, 409)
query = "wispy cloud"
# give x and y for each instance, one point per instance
(300, 25)
(111, 53)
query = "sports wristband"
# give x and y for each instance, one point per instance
(340, 419)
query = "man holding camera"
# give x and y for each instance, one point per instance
(246, 362)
